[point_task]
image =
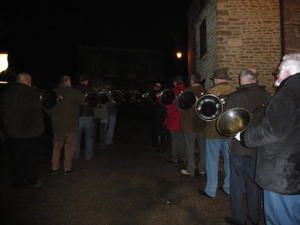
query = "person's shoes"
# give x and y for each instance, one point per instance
(35, 184)
(224, 192)
(55, 172)
(67, 172)
(203, 193)
(185, 173)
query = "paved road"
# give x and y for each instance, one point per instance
(128, 184)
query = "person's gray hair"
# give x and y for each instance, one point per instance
(292, 62)
(249, 75)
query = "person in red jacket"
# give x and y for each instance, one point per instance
(172, 123)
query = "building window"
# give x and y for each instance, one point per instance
(203, 38)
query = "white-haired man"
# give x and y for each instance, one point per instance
(277, 139)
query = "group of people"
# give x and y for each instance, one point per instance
(263, 159)
(262, 162)
(73, 122)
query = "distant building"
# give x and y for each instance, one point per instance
(241, 34)
(129, 68)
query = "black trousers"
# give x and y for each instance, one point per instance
(245, 194)
(24, 160)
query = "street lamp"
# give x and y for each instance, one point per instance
(179, 55)
(3, 62)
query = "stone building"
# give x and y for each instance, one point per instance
(241, 34)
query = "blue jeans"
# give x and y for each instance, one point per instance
(212, 154)
(281, 209)
(111, 124)
(245, 194)
(100, 132)
(86, 125)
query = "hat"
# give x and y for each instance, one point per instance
(221, 73)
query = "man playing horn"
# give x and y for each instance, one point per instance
(245, 194)
(217, 144)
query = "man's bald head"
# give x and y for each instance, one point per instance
(24, 78)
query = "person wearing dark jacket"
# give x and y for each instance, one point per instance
(245, 194)
(86, 121)
(23, 124)
(277, 139)
(194, 132)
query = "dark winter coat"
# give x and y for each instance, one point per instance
(278, 140)
(249, 97)
(22, 114)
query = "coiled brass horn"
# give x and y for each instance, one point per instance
(233, 121)
(236, 120)
(209, 107)
(186, 100)
(167, 96)
(92, 98)
(95, 98)
(117, 96)
(48, 98)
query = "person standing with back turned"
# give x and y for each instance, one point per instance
(23, 124)
(215, 142)
(277, 139)
(65, 120)
(245, 194)
(86, 121)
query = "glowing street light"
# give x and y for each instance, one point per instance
(178, 55)
(3, 62)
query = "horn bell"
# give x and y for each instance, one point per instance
(48, 98)
(186, 100)
(209, 107)
(233, 121)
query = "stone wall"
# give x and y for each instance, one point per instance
(249, 37)
(206, 64)
(291, 25)
(240, 34)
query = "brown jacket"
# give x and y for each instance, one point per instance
(218, 90)
(65, 114)
(190, 122)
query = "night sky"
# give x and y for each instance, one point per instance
(42, 38)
